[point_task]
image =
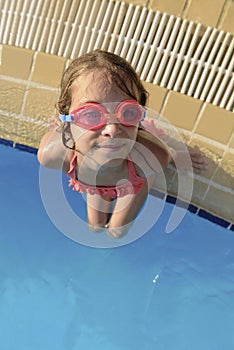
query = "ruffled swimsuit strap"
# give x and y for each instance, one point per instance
(132, 186)
(136, 181)
(72, 167)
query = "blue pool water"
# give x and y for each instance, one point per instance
(161, 292)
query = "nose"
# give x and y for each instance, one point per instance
(111, 129)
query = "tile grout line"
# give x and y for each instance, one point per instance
(24, 118)
(185, 9)
(226, 148)
(28, 81)
(198, 119)
(164, 101)
(206, 182)
(223, 13)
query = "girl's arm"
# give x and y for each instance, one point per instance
(157, 147)
(181, 155)
(52, 153)
(149, 154)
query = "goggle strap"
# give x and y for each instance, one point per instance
(144, 115)
(66, 117)
(69, 118)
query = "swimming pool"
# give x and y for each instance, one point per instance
(164, 292)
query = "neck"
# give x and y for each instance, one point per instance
(114, 165)
(106, 174)
(91, 164)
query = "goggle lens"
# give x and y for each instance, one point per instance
(88, 117)
(130, 113)
(93, 116)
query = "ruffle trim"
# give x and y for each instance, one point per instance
(132, 186)
(112, 191)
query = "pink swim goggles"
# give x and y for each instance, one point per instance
(93, 116)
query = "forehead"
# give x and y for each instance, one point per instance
(96, 86)
(91, 84)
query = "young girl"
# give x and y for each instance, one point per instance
(101, 144)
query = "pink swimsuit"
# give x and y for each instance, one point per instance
(132, 186)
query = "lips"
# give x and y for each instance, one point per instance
(110, 147)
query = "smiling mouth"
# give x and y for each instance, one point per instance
(110, 147)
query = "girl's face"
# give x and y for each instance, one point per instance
(112, 143)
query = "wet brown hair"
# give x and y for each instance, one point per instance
(115, 68)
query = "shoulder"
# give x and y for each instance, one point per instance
(152, 148)
(144, 162)
(52, 153)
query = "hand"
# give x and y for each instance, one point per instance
(194, 158)
(198, 159)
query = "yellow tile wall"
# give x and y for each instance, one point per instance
(206, 12)
(16, 62)
(157, 96)
(213, 153)
(231, 145)
(220, 203)
(168, 6)
(225, 172)
(29, 134)
(40, 103)
(48, 69)
(186, 109)
(227, 23)
(8, 127)
(12, 96)
(212, 124)
(137, 2)
(199, 188)
(29, 91)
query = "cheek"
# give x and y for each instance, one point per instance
(84, 140)
(131, 132)
(77, 132)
